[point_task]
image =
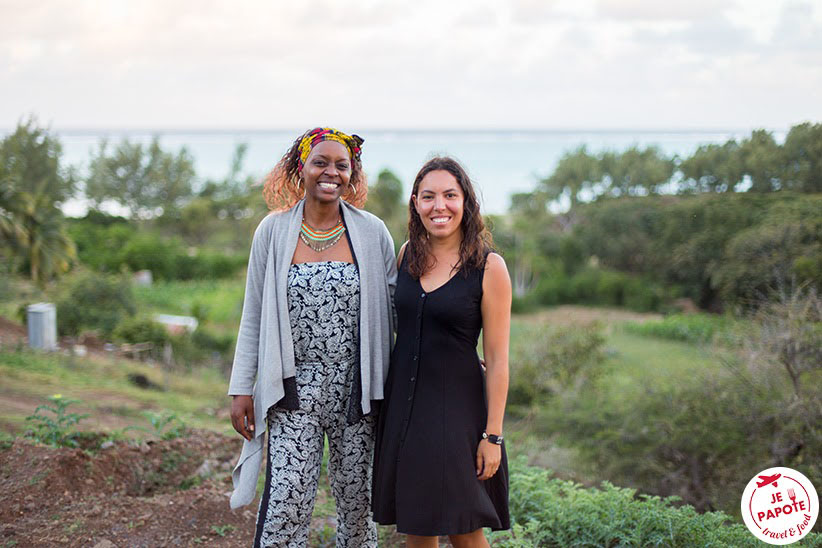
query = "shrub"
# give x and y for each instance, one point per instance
(137, 330)
(94, 302)
(547, 361)
(551, 512)
(763, 258)
(702, 437)
(201, 346)
(152, 252)
(597, 286)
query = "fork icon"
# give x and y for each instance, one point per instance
(792, 494)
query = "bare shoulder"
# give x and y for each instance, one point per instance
(496, 281)
(495, 266)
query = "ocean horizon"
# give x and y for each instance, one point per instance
(500, 162)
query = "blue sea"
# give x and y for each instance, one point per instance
(499, 162)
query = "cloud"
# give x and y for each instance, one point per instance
(524, 63)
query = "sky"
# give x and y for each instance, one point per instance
(426, 64)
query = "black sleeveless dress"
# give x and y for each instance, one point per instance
(433, 416)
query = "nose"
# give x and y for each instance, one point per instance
(439, 202)
(330, 169)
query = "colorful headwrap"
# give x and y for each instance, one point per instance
(317, 135)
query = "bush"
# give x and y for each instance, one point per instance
(152, 252)
(201, 346)
(763, 258)
(702, 437)
(100, 240)
(546, 362)
(94, 302)
(596, 286)
(137, 330)
(207, 265)
(551, 512)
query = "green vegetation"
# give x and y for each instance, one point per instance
(93, 301)
(693, 328)
(33, 185)
(720, 251)
(98, 382)
(551, 512)
(53, 424)
(671, 418)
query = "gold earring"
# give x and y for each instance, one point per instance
(353, 187)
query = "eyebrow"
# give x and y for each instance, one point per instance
(432, 192)
(324, 157)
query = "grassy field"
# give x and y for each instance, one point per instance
(103, 386)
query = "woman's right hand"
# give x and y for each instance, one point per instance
(242, 416)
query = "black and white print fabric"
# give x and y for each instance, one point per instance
(323, 307)
(324, 315)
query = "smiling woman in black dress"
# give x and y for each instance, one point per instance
(440, 467)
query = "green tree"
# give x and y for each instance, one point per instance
(712, 168)
(575, 172)
(386, 201)
(803, 158)
(761, 159)
(636, 172)
(149, 181)
(32, 187)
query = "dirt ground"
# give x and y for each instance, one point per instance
(132, 494)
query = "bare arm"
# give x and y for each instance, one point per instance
(496, 324)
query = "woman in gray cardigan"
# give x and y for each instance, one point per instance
(314, 342)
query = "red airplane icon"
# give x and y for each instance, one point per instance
(767, 480)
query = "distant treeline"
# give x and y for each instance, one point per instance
(630, 238)
(756, 164)
(726, 226)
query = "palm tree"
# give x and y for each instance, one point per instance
(31, 186)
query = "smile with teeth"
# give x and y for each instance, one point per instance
(440, 220)
(329, 186)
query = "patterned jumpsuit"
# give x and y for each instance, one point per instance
(324, 307)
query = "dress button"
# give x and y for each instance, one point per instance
(413, 379)
(422, 296)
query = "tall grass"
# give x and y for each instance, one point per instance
(691, 328)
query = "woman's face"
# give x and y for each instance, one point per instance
(439, 202)
(327, 171)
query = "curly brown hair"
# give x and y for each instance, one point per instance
(282, 188)
(476, 239)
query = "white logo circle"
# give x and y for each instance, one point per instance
(780, 505)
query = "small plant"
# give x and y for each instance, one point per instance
(159, 422)
(55, 429)
(222, 530)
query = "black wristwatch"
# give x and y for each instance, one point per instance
(492, 438)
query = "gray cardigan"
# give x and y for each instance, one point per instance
(265, 351)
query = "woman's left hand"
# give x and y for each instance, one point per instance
(489, 456)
